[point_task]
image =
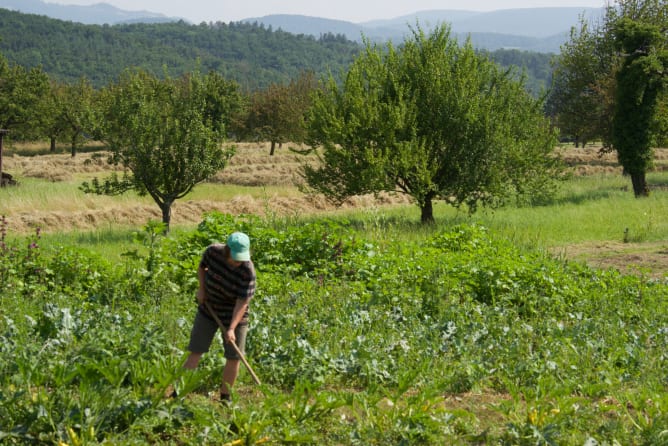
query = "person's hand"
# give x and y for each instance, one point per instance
(201, 296)
(230, 336)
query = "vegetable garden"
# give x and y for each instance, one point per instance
(456, 336)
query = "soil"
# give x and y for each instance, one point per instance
(648, 259)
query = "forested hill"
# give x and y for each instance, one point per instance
(253, 55)
(250, 54)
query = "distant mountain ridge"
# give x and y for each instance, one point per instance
(530, 29)
(97, 14)
(541, 30)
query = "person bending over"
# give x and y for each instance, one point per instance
(227, 283)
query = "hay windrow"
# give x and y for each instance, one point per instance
(188, 212)
(252, 166)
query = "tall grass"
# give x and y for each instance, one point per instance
(40, 195)
(598, 208)
(65, 196)
(587, 209)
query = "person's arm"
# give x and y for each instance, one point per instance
(240, 308)
(201, 291)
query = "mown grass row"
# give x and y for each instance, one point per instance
(588, 209)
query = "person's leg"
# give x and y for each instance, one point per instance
(192, 360)
(201, 337)
(230, 373)
(232, 362)
(190, 364)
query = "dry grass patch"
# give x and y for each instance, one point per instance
(272, 179)
(253, 166)
(57, 167)
(255, 183)
(592, 160)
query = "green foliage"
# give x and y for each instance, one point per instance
(278, 113)
(163, 133)
(640, 81)
(21, 93)
(435, 121)
(357, 342)
(610, 84)
(21, 266)
(317, 249)
(70, 113)
(579, 100)
(252, 55)
(536, 67)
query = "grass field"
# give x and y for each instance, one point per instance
(595, 218)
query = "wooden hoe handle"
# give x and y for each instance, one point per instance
(234, 344)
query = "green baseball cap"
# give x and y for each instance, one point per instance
(239, 245)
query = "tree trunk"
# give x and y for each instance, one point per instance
(273, 148)
(53, 144)
(640, 187)
(74, 146)
(166, 209)
(427, 211)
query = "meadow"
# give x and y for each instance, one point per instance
(522, 326)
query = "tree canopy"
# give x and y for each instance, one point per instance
(21, 93)
(610, 83)
(580, 100)
(252, 55)
(159, 132)
(640, 80)
(278, 113)
(434, 120)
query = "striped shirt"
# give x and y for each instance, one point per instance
(225, 284)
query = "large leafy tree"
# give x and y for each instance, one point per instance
(434, 120)
(640, 81)
(617, 70)
(162, 134)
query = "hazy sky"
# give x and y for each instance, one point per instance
(350, 10)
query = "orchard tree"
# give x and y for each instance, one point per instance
(21, 99)
(71, 113)
(627, 52)
(53, 127)
(225, 103)
(277, 114)
(640, 81)
(434, 120)
(160, 133)
(580, 99)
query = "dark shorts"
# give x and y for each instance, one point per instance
(203, 332)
